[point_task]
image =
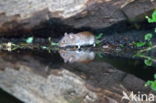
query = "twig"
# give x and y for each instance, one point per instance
(147, 49)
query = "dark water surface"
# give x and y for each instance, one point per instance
(7, 98)
(56, 59)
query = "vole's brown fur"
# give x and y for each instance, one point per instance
(78, 39)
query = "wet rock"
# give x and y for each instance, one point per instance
(34, 88)
(99, 15)
(28, 14)
(63, 8)
(137, 10)
(62, 16)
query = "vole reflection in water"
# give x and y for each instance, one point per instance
(76, 56)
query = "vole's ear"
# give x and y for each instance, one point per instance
(65, 34)
(71, 36)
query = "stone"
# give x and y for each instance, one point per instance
(24, 16)
(137, 10)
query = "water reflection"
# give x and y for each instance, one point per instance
(48, 76)
(72, 56)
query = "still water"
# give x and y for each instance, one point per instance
(68, 58)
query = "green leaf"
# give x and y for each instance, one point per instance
(29, 40)
(121, 45)
(140, 44)
(54, 44)
(152, 19)
(148, 19)
(148, 83)
(100, 55)
(148, 62)
(154, 76)
(153, 85)
(98, 42)
(99, 36)
(149, 44)
(43, 47)
(154, 16)
(148, 36)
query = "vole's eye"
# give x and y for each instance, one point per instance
(64, 54)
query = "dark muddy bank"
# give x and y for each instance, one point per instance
(115, 35)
